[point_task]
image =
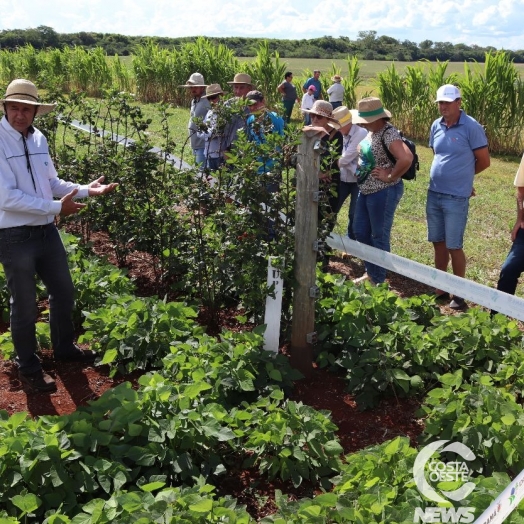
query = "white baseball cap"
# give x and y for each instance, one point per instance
(447, 93)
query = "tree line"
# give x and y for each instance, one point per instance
(368, 45)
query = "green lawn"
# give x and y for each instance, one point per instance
(368, 68)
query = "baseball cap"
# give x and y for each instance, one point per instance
(447, 93)
(312, 88)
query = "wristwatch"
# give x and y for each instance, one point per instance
(389, 177)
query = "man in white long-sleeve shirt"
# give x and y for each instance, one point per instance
(352, 135)
(31, 196)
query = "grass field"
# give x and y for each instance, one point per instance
(368, 68)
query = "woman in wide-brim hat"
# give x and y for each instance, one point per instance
(25, 92)
(379, 180)
(322, 111)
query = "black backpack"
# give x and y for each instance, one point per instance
(411, 173)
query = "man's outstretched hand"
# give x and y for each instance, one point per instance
(96, 187)
(70, 206)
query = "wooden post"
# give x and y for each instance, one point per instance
(303, 334)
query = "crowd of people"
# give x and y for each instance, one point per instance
(363, 158)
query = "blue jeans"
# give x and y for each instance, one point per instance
(334, 105)
(373, 222)
(349, 189)
(447, 216)
(513, 266)
(200, 158)
(27, 251)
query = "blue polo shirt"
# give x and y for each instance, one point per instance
(453, 168)
(314, 82)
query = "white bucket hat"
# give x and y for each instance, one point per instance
(24, 91)
(195, 80)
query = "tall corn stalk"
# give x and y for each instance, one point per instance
(9, 66)
(267, 73)
(154, 70)
(495, 97)
(121, 74)
(351, 81)
(411, 97)
(217, 64)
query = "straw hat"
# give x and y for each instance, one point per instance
(343, 115)
(369, 110)
(336, 78)
(241, 78)
(195, 80)
(24, 91)
(325, 109)
(213, 90)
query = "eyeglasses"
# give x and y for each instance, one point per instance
(214, 97)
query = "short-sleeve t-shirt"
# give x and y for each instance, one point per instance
(453, 168)
(290, 91)
(314, 82)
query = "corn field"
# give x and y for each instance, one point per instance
(492, 93)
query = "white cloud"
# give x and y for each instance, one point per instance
(482, 22)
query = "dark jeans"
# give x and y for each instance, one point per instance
(27, 251)
(334, 105)
(348, 189)
(288, 110)
(513, 266)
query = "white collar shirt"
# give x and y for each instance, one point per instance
(29, 182)
(349, 160)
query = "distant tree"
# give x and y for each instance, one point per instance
(48, 36)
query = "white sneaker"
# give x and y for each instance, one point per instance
(364, 278)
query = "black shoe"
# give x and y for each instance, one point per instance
(458, 303)
(443, 297)
(78, 355)
(37, 381)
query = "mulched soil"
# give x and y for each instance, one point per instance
(77, 385)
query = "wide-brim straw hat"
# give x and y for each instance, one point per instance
(241, 78)
(195, 80)
(213, 90)
(24, 91)
(370, 109)
(343, 115)
(325, 109)
(336, 78)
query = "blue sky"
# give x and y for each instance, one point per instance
(497, 22)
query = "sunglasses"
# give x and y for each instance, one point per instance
(214, 97)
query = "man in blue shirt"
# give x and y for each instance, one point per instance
(461, 151)
(259, 123)
(314, 81)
